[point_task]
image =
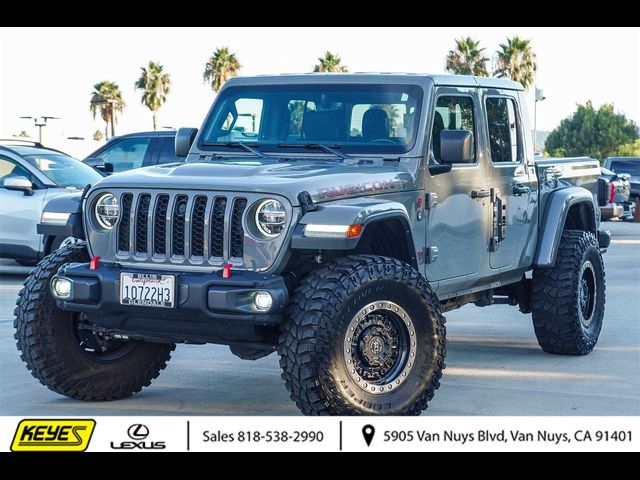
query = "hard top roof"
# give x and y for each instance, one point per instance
(380, 77)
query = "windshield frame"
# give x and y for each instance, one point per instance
(274, 148)
(30, 159)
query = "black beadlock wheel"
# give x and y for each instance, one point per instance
(364, 335)
(65, 355)
(568, 300)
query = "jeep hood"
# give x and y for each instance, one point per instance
(325, 180)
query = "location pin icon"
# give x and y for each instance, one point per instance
(368, 432)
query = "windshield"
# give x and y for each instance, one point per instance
(64, 171)
(632, 167)
(374, 119)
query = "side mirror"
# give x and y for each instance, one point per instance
(100, 165)
(456, 146)
(184, 139)
(19, 184)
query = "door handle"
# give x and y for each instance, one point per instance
(480, 193)
(520, 190)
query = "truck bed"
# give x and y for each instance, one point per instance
(557, 173)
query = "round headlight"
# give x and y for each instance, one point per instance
(271, 218)
(107, 211)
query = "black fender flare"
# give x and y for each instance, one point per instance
(554, 220)
(69, 204)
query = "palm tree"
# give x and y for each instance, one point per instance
(220, 67)
(467, 59)
(330, 63)
(516, 60)
(155, 86)
(106, 98)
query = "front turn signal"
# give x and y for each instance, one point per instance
(354, 231)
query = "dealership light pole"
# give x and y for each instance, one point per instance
(40, 122)
(539, 98)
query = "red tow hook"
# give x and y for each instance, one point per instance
(94, 263)
(226, 271)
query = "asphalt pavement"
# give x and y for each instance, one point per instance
(494, 365)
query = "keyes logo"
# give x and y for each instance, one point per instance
(53, 435)
(138, 433)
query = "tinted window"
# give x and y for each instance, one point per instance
(626, 166)
(452, 113)
(355, 118)
(168, 151)
(504, 137)
(9, 169)
(126, 154)
(64, 171)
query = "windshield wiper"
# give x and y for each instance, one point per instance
(318, 146)
(251, 148)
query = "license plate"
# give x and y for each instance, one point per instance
(147, 290)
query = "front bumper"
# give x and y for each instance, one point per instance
(209, 308)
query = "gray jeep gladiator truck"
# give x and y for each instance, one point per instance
(332, 219)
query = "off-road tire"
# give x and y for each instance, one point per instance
(556, 308)
(311, 349)
(46, 339)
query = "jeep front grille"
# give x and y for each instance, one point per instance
(179, 227)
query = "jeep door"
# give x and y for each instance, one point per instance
(456, 227)
(512, 179)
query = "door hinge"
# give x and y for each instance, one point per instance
(432, 254)
(499, 220)
(432, 201)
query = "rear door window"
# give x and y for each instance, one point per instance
(627, 166)
(126, 154)
(504, 130)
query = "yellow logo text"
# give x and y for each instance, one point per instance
(53, 435)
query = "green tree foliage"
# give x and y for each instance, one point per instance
(330, 63)
(516, 61)
(595, 133)
(155, 85)
(629, 150)
(467, 58)
(220, 67)
(106, 99)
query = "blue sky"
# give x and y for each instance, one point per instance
(50, 71)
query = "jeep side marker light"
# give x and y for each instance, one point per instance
(332, 231)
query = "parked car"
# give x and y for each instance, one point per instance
(338, 239)
(614, 191)
(30, 176)
(135, 150)
(630, 166)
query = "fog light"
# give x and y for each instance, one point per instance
(263, 301)
(61, 288)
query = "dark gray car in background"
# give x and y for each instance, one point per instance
(630, 166)
(135, 150)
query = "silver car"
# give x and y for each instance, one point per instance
(30, 175)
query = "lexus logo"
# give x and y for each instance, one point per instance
(138, 432)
